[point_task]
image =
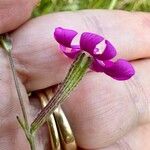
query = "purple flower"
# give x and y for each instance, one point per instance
(119, 70)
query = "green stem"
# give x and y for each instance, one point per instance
(112, 4)
(6, 43)
(30, 137)
(32, 142)
(74, 76)
(18, 91)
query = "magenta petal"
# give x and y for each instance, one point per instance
(64, 36)
(97, 66)
(109, 52)
(88, 41)
(119, 70)
(72, 53)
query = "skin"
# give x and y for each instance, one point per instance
(115, 115)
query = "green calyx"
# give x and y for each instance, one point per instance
(74, 76)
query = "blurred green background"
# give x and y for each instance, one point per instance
(48, 6)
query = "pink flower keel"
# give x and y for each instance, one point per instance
(119, 70)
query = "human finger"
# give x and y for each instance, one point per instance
(102, 110)
(38, 59)
(13, 13)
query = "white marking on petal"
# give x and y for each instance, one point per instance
(76, 40)
(100, 48)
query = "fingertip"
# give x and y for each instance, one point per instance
(13, 13)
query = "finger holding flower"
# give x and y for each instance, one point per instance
(119, 70)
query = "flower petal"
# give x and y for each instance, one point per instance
(64, 36)
(119, 70)
(88, 41)
(109, 52)
(97, 65)
(72, 52)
